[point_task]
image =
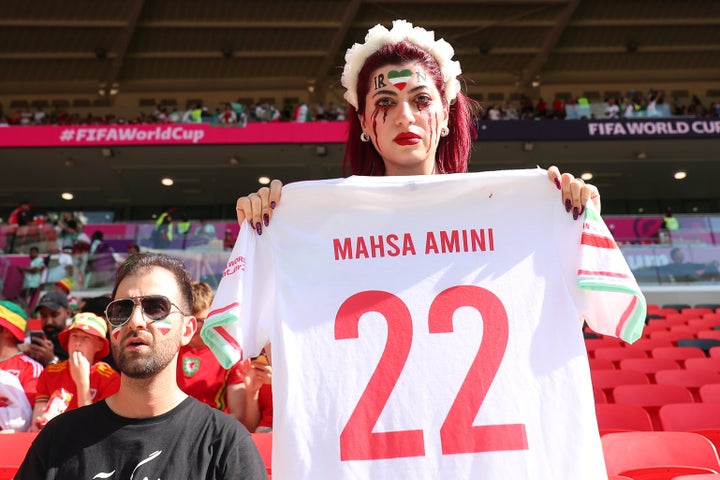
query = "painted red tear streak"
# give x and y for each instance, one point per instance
(374, 116)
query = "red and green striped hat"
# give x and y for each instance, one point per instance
(14, 318)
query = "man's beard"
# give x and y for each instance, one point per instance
(146, 366)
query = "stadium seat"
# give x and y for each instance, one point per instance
(711, 306)
(616, 417)
(714, 352)
(647, 344)
(669, 453)
(601, 364)
(703, 344)
(652, 397)
(679, 354)
(674, 337)
(678, 307)
(710, 393)
(714, 334)
(690, 379)
(707, 363)
(607, 380)
(615, 354)
(699, 311)
(698, 476)
(263, 441)
(592, 344)
(13, 447)
(683, 417)
(703, 323)
(649, 366)
(599, 395)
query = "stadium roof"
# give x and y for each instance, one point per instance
(175, 46)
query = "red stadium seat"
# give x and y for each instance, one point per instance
(683, 417)
(680, 354)
(672, 336)
(13, 446)
(609, 379)
(706, 322)
(691, 379)
(599, 395)
(615, 354)
(592, 344)
(669, 453)
(715, 334)
(698, 476)
(706, 363)
(649, 366)
(647, 344)
(601, 364)
(616, 417)
(710, 393)
(714, 352)
(263, 442)
(698, 311)
(652, 397)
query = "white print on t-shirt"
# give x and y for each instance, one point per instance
(152, 456)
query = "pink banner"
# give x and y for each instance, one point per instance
(172, 134)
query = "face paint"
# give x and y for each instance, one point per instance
(421, 77)
(399, 79)
(116, 332)
(379, 81)
(164, 326)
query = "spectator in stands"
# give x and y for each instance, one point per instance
(612, 111)
(205, 229)
(198, 372)
(19, 218)
(68, 229)
(59, 265)
(681, 271)
(559, 108)
(162, 235)
(101, 265)
(15, 411)
(13, 322)
(258, 415)
(133, 248)
(541, 108)
(97, 305)
(149, 413)
(65, 287)
(493, 113)
(301, 113)
(31, 276)
(228, 115)
(82, 375)
(54, 313)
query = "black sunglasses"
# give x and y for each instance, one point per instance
(153, 307)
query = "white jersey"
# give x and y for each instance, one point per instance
(427, 327)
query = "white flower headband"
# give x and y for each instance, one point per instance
(401, 30)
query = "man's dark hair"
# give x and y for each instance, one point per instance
(146, 261)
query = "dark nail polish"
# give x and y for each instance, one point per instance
(576, 213)
(252, 225)
(582, 210)
(258, 228)
(273, 205)
(568, 204)
(266, 219)
(557, 184)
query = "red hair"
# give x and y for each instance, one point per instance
(453, 151)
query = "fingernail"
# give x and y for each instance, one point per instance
(252, 225)
(582, 210)
(557, 184)
(273, 205)
(576, 213)
(568, 204)
(258, 228)
(266, 219)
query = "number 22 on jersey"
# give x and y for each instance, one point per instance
(457, 434)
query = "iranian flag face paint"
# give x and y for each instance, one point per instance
(399, 79)
(163, 326)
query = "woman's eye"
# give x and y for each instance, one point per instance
(423, 99)
(384, 102)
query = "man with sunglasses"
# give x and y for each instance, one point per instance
(150, 428)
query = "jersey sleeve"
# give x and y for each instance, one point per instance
(614, 303)
(240, 303)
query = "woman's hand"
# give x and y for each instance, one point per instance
(257, 208)
(575, 192)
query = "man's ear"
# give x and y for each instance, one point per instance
(189, 327)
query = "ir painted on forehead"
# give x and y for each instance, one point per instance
(399, 78)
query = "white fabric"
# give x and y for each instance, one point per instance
(287, 287)
(15, 410)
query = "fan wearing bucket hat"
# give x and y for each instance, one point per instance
(54, 312)
(12, 332)
(82, 375)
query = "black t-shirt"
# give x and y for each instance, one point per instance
(192, 441)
